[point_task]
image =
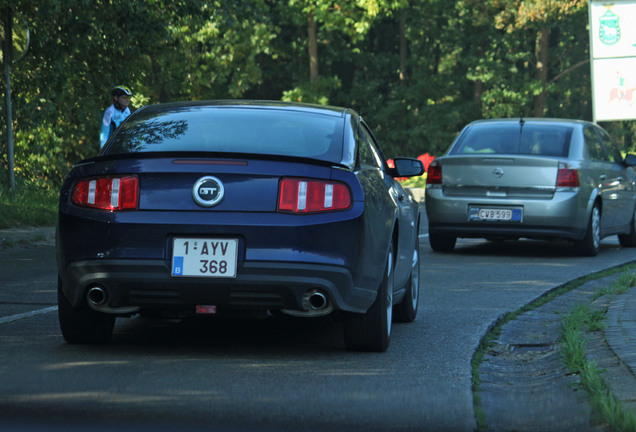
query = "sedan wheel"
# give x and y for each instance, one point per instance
(629, 240)
(406, 311)
(591, 243)
(371, 331)
(81, 324)
(441, 243)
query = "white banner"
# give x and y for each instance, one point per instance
(613, 56)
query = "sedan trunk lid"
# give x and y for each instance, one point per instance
(499, 176)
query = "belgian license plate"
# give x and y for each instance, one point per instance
(495, 214)
(204, 257)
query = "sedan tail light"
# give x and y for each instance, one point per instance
(434, 175)
(107, 193)
(567, 176)
(298, 195)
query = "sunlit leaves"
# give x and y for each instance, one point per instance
(462, 60)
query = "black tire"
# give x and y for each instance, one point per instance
(629, 240)
(406, 310)
(81, 324)
(371, 331)
(441, 243)
(591, 243)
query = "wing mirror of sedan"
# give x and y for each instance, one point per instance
(630, 159)
(408, 167)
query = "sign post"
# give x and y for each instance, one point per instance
(613, 58)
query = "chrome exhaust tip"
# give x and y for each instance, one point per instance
(96, 296)
(316, 301)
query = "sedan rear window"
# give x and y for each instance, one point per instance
(232, 130)
(515, 138)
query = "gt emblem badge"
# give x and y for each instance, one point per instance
(208, 191)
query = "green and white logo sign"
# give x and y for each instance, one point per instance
(609, 28)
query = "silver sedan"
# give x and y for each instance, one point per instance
(532, 178)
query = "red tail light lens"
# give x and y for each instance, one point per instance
(107, 193)
(434, 176)
(567, 176)
(297, 195)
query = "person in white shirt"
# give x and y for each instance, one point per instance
(116, 113)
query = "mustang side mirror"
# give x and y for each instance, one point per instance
(408, 167)
(630, 159)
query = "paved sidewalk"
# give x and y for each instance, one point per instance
(620, 335)
(525, 384)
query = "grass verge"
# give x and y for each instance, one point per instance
(580, 319)
(28, 206)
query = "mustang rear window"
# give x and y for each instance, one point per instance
(233, 130)
(512, 138)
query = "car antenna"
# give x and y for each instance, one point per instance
(521, 123)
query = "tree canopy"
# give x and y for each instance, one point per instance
(418, 71)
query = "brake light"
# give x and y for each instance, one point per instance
(434, 175)
(107, 193)
(297, 195)
(567, 176)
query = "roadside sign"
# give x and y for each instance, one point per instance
(613, 56)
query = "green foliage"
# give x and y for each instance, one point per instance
(417, 71)
(415, 182)
(313, 92)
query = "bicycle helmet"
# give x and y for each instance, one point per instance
(121, 90)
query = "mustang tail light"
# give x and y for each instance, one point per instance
(298, 195)
(434, 175)
(567, 176)
(107, 193)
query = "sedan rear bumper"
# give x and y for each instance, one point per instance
(564, 216)
(258, 285)
(506, 231)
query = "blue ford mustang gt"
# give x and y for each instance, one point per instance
(227, 207)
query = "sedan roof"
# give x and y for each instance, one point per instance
(546, 120)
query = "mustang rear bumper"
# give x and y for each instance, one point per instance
(272, 285)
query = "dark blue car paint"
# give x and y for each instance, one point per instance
(343, 252)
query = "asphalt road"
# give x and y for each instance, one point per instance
(274, 374)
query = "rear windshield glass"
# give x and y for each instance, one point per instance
(512, 138)
(232, 130)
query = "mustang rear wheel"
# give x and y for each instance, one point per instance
(371, 331)
(81, 324)
(406, 311)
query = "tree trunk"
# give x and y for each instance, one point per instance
(7, 47)
(478, 90)
(543, 39)
(478, 85)
(313, 47)
(403, 52)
